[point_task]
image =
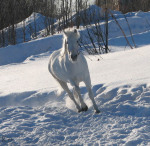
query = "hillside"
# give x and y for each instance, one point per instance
(32, 114)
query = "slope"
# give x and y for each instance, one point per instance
(31, 114)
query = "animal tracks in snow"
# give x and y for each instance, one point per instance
(38, 118)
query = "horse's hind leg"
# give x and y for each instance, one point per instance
(65, 87)
(77, 95)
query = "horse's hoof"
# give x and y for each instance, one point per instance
(80, 110)
(97, 111)
(85, 109)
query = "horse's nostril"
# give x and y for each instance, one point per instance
(73, 57)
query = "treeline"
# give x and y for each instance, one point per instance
(14, 11)
(11, 12)
(125, 5)
(135, 5)
(58, 15)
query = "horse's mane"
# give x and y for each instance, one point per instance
(69, 33)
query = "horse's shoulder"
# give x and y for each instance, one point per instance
(54, 54)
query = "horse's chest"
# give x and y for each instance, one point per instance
(66, 71)
(74, 70)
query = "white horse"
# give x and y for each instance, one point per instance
(67, 65)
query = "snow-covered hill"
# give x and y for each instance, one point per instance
(32, 114)
(25, 30)
(20, 52)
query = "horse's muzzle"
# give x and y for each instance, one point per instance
(74, 57)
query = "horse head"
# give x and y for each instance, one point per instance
(71, 44)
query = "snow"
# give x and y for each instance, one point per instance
(20, 52)
(32, 114)
(30, 26)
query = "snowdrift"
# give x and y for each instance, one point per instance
(20, 52)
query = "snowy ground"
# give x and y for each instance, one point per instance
(31, 114)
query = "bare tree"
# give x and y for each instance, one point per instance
(125, 5)
(94, 39)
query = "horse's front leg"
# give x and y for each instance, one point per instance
(65, 87)
(77, 94)
(88, 86)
